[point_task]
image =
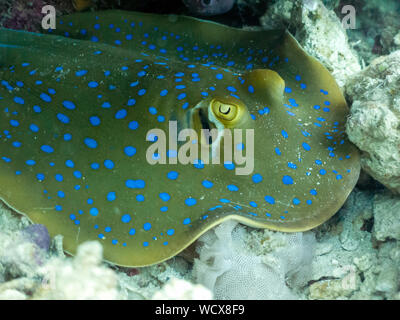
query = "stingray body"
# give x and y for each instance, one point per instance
(76, 106)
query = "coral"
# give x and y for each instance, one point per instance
(232, 268)
(38, 234)
(145, 283)
(27, 15)
(374, 121)
(19, 255)
(12, 295)
(177, 289)
(23, 15)
(80, 278)
(319, 31)
(18, 289)
(22, 252)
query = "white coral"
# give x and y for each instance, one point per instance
(80, 278)
(233, 271)
(178, 289)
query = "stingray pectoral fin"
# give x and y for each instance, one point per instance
(267, 84)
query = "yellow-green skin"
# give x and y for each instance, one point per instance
(45, 53)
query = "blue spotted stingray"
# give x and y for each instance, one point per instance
(76, 106)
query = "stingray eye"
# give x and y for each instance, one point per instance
(227, 113)
(206, 2)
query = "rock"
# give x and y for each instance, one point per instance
(396, 39)
(377, 24)
(386, 217)
(319, 31)
(329, 289)
(388, 279)
(343, 270)
(374, 122)
(364, 262)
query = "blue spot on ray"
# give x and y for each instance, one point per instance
(90, 143)
(69, 105)
(287, 180)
